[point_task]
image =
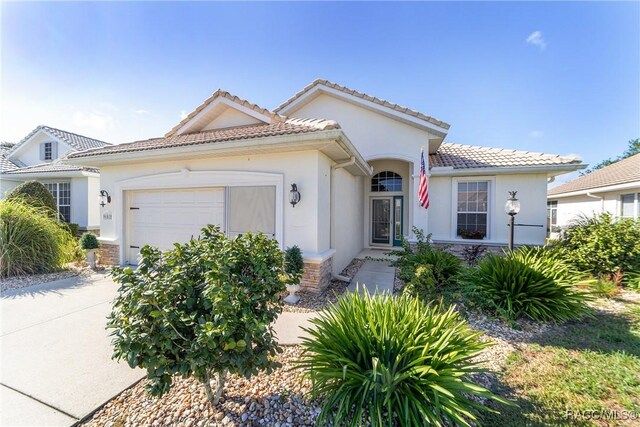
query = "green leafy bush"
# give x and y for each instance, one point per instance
(423, 284)
(392, 361)
(529, 282)
(89, 241)
(74, 229)
(35, 194)
(293, 264)
(603, 246)
(31, 240)
(202, 309)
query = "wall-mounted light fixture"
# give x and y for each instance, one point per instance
(512, 207)
(104, 198)
(294, 195)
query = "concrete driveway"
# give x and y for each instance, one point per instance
(55, 354)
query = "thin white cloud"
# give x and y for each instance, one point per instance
(93, 120)
(536, 134)
(183, 114)
(141, 111)
(536, 39)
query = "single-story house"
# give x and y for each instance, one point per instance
(40, 156)
(614, 189)
(354, 160)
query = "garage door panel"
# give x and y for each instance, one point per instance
(163, 217)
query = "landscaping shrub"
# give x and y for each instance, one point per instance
(392, 361)
(603, 246)
(31, 240)
(202, 309)
(89, 241)
(293, 263)
(473, 254)
(529, 282)
(35, 194)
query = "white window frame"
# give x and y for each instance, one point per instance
(490, 180)
(635, 208)
(551, 206)
(48, 148)
(57, 197)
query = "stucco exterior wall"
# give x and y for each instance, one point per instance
(305, 225)
(79, 208)
(7, 185)
(93, 202)
(531, 188)
(569, 208)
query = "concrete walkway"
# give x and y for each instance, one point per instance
(56, 364)
(374, 276)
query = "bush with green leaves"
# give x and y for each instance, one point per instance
(530, 282)
(293, 264)
(203, 309)
(31, 240)
(89, 241)
(389, 360)
(35, 194)
(603, 246)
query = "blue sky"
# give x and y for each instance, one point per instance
(552, 77)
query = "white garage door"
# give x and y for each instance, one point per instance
(163, 217)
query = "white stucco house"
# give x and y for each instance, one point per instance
(614, 189)
(41, 156)
(354, 158)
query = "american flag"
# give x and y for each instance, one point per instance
(423, 189)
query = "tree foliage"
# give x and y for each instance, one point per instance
(35, 194)
(202, 309)
(632, 149)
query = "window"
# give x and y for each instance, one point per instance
(48, 151)
(61, 192)
(627, 205)
(472, 212)
(386, 181)
(252, 209)
(552, 216)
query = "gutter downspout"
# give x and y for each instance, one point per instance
(350, 162)
(601, 198)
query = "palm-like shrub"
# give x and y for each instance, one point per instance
(529, 282)
(31, 240)
(392, 360)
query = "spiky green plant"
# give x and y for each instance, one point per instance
(388, 360)
(31, 240)
(529, 282)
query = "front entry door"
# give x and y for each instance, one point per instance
(386, 221)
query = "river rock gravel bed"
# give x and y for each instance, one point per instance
(279, 399)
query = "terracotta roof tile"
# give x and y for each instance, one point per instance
(461, 156)
(373, 99)
(621, 172)
(288, 127)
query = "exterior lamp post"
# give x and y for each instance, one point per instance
(512, 207)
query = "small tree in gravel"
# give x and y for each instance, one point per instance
(202, 309)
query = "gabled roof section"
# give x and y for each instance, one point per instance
(217, 104)
(75, 141)
(277, 128)
(621, 172)
(49, 168)
(6, 164)
(458, 156)
(320, 86)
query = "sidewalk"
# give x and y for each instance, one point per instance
(375, 276)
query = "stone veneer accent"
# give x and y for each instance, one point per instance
(316, 276)
(109, 254)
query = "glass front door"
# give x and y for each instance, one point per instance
(386, 221)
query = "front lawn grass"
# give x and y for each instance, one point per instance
(590, 365)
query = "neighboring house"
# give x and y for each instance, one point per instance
(614, 189)
(355, 160)
(40, 156)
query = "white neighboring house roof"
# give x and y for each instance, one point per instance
(75, 141)
(6, 164)
(617, 176)
(395, 111)
(52, 169)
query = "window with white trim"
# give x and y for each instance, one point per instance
(48, 151)
(628, 205)
(61, 192)
(552, 217)
(472, 209)
(386, 181)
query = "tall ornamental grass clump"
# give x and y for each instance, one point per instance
(204, 309)
(607, 248)
(388, 360)
(31, 240)
(528, 282)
